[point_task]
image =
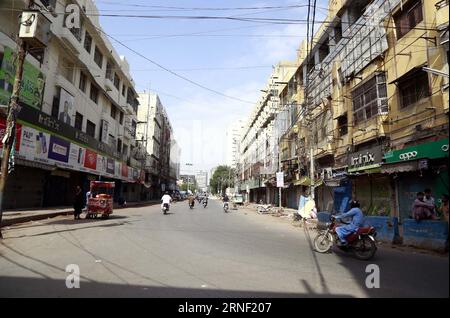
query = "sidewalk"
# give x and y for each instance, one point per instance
(22, 216)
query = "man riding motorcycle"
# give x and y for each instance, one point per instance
(357, 221)
(166, 200)
(225, 200)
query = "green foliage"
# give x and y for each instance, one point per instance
(222, 178)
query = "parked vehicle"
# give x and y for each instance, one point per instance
(101, 200)
(362, 243)
(238, 199)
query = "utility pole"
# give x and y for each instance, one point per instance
(13, 111)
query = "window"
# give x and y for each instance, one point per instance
(133, 128)
(337, 33)
(124, 89)
(88, 42)
(121, 118)
(83, 83)
(342, 125)
(113, 111)
(409, 16)
(116, 81)
(67, 68)
(109, 71)
(370, 98)
(119, 145)
(79, 121)
(94, 93)
(90, 128)
(98, 57)
(413, 88)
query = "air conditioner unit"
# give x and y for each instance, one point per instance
(34, 29)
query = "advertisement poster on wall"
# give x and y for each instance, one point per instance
(66, 112)
(117, 171)
(90, 160)
(34, 145)
(59, 149)
(33, 81)
(105, 132)
(101, 164)
(110, 166)
(2, 134)
(124, 170)
(76, 156)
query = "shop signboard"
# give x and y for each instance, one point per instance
(431, 150)
(365, 159)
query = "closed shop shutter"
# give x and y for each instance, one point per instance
(374, 194)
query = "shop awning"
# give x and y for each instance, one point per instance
(408, 75)
(400, 167)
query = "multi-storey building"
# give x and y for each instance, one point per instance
(372, 108)
(233, 136)
(202, 180)
(155, 135)
(78, 117)
(258, 160)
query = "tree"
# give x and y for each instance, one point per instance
(222, 179)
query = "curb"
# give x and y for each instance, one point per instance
(44, 216)
(37, 217)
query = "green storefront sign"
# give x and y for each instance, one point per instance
(33, 81)
(431, 150)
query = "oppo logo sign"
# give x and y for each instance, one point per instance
(408, 155)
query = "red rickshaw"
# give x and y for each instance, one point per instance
(101, 199)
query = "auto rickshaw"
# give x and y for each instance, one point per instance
(101, 200)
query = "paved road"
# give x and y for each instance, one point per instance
(140, 252)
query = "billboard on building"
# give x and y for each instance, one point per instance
(66, 112)
(33, 81)
(90, 160)
(58, 150)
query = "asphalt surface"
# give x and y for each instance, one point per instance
(140, 252)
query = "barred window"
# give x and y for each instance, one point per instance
(413, 88)
(410, 16)
(370, 98)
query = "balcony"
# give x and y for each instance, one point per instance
(70, 41)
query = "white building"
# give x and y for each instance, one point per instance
(78, 97)
(202, 180)
(155, 134)
(233, 138)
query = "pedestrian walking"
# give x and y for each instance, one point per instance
(78, 203)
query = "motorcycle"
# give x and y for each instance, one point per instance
(362, 243)
(226, 207)
(205, 203)
(191, 205)
(165, 208)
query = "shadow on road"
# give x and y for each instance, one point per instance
(37, 287)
